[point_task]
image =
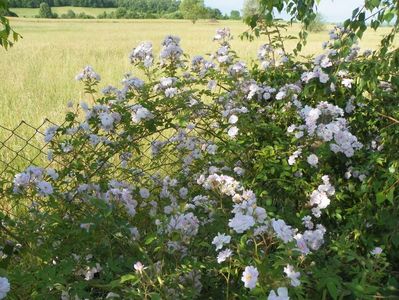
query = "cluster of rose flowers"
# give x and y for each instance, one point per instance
(175, 205)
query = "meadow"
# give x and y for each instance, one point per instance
(38, 77)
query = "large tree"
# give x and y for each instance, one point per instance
(192, 9)
(235, 15)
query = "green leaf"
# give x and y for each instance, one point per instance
(150, 239)
(390, 195)
(380, 198)
(128, 277)
(332, 289)
(155, 296)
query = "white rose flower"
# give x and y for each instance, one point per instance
(4, 287)
(291, 274)
(221, 239)
(233, 131)
(282, 294)
(313, 160)
(241, 223)
(223, 255)
(250, 277)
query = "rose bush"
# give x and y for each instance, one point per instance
(213, 178)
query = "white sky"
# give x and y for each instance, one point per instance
(332, 10)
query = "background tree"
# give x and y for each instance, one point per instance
(45, 11)
(192, 9)
(213, 13)
(235, 15)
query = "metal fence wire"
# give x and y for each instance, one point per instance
(24, 145)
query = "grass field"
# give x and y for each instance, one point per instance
(37, 78)
(32, 12)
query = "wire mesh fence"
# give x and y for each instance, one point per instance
(25, 145)
(22, 146)
(132, 160)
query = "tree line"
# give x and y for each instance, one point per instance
(130, 9)
(78, 3)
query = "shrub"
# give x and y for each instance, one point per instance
(235, 15)
(83, 15)
(192, 9)
(103, 15)
(317, 25)
(211, 178)
(175, 15)
(69, 15)
(45, 11)
(120, 12)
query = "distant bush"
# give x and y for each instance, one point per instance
(45, 12)
(214, 13)
(83, 15)
(173, 15)
(317, 25)
(72, 15)
(123, 13)
(120, 12)
(235, 15)
(78, 3)
(69, 15)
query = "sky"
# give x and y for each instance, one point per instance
(332, 10)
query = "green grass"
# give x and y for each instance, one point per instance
(32, 12)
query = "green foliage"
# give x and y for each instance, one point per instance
(155, 7)
(7, 35)
(123, 13)
(317, 24)
(52, 3)
(79, 241)
(45, 11)
(4, 10)
(213, 13)
(69, 15)
(121, 221)
(192, 9)
(8, 13)
(174, 15)
(379, 11)
(127, 9)
(235, 15)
